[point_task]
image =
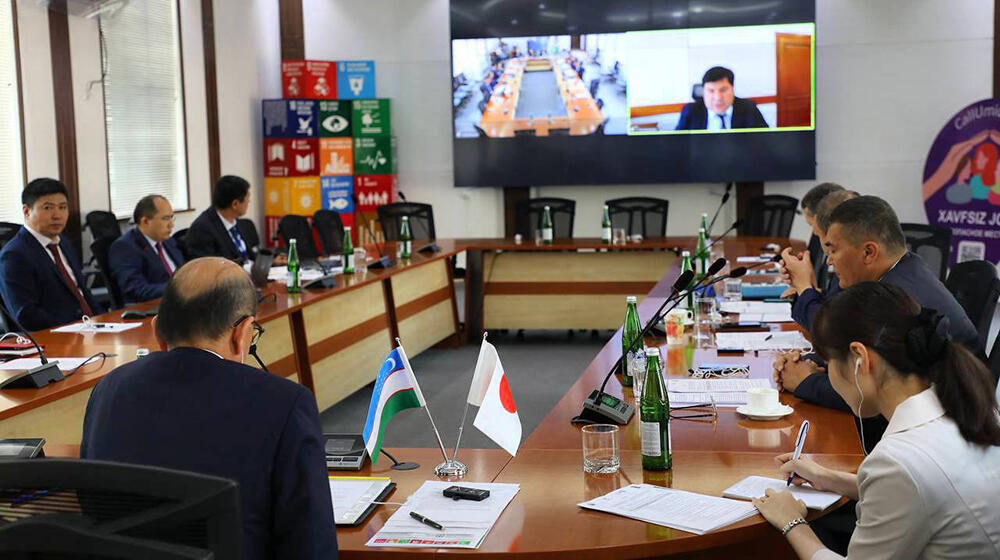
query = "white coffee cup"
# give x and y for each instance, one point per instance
(762, 399)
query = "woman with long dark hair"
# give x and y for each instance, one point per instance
(931, 487)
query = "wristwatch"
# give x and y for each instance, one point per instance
(791, 524)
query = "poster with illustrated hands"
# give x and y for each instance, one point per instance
(961, 189)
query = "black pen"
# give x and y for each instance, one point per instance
(426, 521)
(768, 337)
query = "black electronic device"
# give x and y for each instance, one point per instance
(741, 325)
(345, 452)
(21, 448)
(36, 377)
(466, 493)
(325, 281)
(133, 314)
(261, 268)
(606, 408)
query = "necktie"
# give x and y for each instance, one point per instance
(722, 121)
(54, 249)
(238, 240)
(163, 259)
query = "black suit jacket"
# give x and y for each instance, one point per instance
(34, 290)
(190, 410)
(694, 116)
(207, 237)
(137, 267)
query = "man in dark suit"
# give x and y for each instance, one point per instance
(214, 233)
(40, 278)
(720, 109)
(145, 258)
(196, 407)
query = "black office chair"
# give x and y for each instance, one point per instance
(641, 215)
(770, 215)
(7, 232)
(932, 243)
(600, 103)
(298, 228)
(525, 132)
(330, 231)
(63, 508)
(100, 249)
(249, 233)
(558, 132)
(180, 238)
(421, 217)
(102, 224)
(528, 216)
(976, 287)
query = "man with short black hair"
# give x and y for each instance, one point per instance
(215, 233)
(40, 277)
(145, 257)
(196, 407)
(719, 108)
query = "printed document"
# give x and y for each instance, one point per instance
(774, 340)
(677, 509)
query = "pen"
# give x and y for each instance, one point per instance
(799, 444)
(768, 337)
(426, 521)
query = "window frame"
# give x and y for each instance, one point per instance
(20, 92)
(184, 120)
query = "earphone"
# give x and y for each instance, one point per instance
(861, 395)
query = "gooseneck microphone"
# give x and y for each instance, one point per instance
(36, 377)
(725, 199)
(735, 225)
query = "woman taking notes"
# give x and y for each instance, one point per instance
(931, 487)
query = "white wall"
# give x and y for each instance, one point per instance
(889, 74)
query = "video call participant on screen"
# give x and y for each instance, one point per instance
(196, 407)
(145, 257)
(930, 488)
(214, 233)
(720, 109)
(40, 278)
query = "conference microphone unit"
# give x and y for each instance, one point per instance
(36, 377)
(725, 199)
(383, 261)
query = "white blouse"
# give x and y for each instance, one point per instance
(925, 492)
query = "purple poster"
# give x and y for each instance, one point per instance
(961, 190)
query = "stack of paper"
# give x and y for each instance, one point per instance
(764, 312)
(466, 523)
(748, 341)
(755, 486)
(280, 273)
(726, 392)
(96, 327)
(677, 509)
(353, 497)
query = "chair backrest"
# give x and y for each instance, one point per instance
(770, 215)
(528, 216)
(298, 228)
(115, 510)
(421, 217)
(180, 238)
(103, 224)
(821, 268)
(932, 243)
(976, 288)
(100, 249)
(7, 232)
(330, 231)
(249, 233)
(641, 215)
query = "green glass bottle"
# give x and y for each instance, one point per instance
(348, 251)
(292, 281)
(704, 224)
(405, 237)
(701, 253)
(606, 226)
(630, 332)
(654, 417)
(685, 266)
(547, 226)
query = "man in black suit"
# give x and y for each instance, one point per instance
(40, 278)
(196, 407)
(214, 233)
(720, 109)
(145, 258)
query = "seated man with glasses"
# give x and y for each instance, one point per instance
(196, 407)
(144, 258)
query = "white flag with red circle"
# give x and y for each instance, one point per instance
(497, 417)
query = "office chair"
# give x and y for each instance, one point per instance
(994, 360)
(70, 508)
(248, 231)
(298, 228)
(770, 215)
(932, 243)
(976, 288)
(100, 249)
(330, 231)
(528, 216)
(421, 217)
(7, 232)
(526, 132)
(558, 132)
(641, 215)
(180, 237)
(102, 224)
(594, 84)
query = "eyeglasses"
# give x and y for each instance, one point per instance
(258, 331)
(697, 411)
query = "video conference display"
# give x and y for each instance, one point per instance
(673, 94)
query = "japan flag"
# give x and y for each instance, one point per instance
(497, 416)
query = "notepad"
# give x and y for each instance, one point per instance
(353, 497)
(725, 392)
(677, 509)
(774, 340)
(755, 486)
(96, 327)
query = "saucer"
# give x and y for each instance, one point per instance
(770, 414)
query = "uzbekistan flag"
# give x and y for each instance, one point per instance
(395, 389)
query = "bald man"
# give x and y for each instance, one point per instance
(194, 406)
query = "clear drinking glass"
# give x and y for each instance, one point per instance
(733, 289)
(600, 449)
(618, 236)
(360, 261)
(706, 311)
(637, 367)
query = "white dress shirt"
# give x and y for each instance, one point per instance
(713, 119)
(166, 255)
(925, 492)
(44, 241)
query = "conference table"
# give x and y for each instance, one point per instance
(543, 520)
